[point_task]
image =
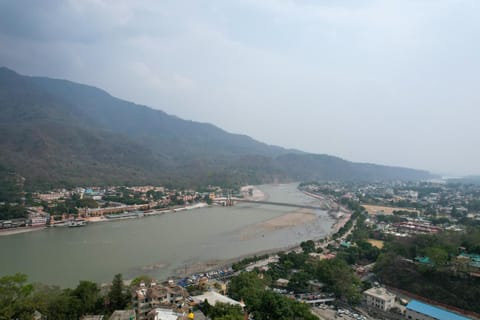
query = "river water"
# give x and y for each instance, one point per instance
(156, 245)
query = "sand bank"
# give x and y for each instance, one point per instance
(9, 232)
(289, 220)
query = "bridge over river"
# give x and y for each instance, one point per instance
(285, 204)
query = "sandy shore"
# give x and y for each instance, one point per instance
(19, 230)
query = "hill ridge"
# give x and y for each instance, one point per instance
(60, 133)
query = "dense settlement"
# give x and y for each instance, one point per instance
(404, 251)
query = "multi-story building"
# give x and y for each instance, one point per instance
(149, 297)
(379, 298)
(411, 227)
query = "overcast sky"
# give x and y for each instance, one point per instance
(390, 82)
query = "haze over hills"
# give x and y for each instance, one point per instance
(60, 133)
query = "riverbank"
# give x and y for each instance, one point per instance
(341, 214)
(13, 231)
(9, 232)
(207, 266)
(148, 214)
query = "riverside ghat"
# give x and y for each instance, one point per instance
(160, 245)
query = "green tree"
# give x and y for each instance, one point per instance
(308, 246)
(247, 286)
(64, 306)
(43, 296)
(437, 255)
(223, 311)
(14, 294)
(299, 281)
(8, 211)
(88, 294)
(117, 297)
(277, 307)
(273, 306)
(339, 277)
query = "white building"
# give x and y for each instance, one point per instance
(163, 314)
(379, 298)
(213, 297)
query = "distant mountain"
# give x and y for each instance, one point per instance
(475, 179)
(60, 133)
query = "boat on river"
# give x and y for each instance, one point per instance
(76, 223)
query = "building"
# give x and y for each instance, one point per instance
(315, 286)
(163, 314)
(282, 283)
(147, 298)
(472, 259)
(410, 227)
(379, 298)
(52, 196)
(92, 317)
(417, 310)
(123, 315)
(38, 221)
(213, 297)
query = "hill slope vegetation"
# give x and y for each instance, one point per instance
(60, 133)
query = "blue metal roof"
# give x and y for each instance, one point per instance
(434, 312)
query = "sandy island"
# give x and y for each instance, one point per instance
(289, 220)
(292, 219)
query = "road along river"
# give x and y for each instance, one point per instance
(161, 245)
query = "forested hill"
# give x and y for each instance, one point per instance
(60, 133)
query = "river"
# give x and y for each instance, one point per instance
(158, 245)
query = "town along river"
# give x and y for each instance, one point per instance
(163, 245)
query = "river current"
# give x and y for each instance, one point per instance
(158, 245)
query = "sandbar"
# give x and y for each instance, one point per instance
(289, 220)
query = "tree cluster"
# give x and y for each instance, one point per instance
(445, 278)
(265, 304)
(8, 211)
(19, 299)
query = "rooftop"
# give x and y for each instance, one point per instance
(381, 293)
(123, 315)
(214, 297)
(424, 260)
(473, 256)
(434, 312)
(164, 314)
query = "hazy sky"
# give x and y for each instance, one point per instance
(391, 82)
